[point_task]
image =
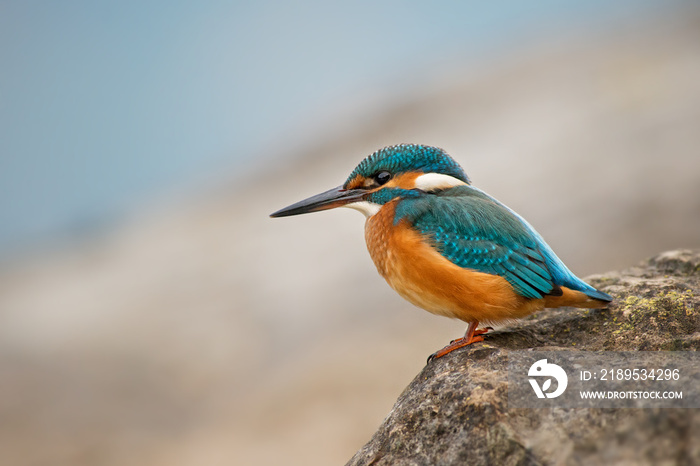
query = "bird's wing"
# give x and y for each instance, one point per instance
(474, 231)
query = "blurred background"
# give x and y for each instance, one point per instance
(151, 313)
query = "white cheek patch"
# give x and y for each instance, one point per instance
(437, 181)
(367, 208)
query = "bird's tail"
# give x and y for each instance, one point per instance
(598, 295)
(574, 298)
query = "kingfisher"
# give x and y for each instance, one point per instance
(448, 247)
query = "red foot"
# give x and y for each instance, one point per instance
(473, 335)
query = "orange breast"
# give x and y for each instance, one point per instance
(420, 274)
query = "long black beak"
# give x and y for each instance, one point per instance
(331, 199)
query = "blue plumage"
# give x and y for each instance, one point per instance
(475, 231)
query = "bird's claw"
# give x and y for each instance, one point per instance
(460, 343)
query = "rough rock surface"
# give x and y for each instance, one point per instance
(455, 411)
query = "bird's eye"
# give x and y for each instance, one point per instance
(382, 177)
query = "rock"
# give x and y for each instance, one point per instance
(455, 411)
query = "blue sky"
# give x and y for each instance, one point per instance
(104, 104)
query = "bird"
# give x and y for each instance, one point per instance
(448, 247)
